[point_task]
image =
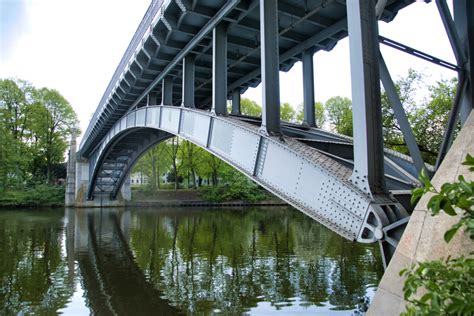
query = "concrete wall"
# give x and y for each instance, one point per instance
(423, 237)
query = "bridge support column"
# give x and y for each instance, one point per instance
(82, 184)
(308, 89)
(270, 67)
(125, 190)
(368, 173)
(82, 181)
(69, 199)
(236, 101)
(188, 81)
(167, 91)
(219, 69)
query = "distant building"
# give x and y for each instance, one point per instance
(138, 178)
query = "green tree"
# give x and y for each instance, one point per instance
(190, 156)
(339, 111)
(250, 108)
(154, 164)
(172, 150)
(287, 113)
(210, 167)
(15, 108)
(319, 115)
(427, 118)
(54, 121)
(407, 88)
(429, 121)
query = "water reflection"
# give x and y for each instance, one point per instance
(229, 261)
(179, 261)
(34, 277)
(114, 283)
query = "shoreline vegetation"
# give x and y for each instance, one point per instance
(35, 196)
(53, 196)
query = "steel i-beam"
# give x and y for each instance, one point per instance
(368, 173)
(400, 115)
(219, 69)
(188, 80)
(152, 98)
(236, 101)
(308, 89)
(270, 67)
(167, 91)
(464, 22)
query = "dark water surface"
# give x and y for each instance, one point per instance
(179, 261)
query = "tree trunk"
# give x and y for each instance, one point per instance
(153, 173)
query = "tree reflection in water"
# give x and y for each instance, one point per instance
(178, 261)
(230, 260)
(34, 277)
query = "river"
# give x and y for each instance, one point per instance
(180, 261)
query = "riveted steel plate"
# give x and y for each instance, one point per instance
(152, 117)
(140, 117)
(281, 169)
(244, 148)
(170, 119)
(195, 126)
(221, 139)
(131, 119)
(237, 145)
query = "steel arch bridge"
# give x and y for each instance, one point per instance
(188, 58)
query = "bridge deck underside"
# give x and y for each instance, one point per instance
(170, 25)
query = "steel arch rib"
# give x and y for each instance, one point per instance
(312, 182)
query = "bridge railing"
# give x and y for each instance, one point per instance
(143, 30)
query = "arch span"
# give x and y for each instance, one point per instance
(315, 182)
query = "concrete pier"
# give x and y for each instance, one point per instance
(69, 199)
(78, 181)
(423, 237)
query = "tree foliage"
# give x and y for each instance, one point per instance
(35, 126)
(287, 113)
(319, 114)
(250, 108)
(339, 110)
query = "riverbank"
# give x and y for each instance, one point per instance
(53, 196)
(191, 198)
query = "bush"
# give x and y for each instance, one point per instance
(38, 195)
(237, 187)
(449, 287)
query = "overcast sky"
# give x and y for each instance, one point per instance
(74, 47)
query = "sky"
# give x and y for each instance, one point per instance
(74, 46)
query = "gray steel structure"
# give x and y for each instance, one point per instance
(196, 55)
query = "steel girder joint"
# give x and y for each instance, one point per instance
(384, 222)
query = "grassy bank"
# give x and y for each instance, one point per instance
(35, 196)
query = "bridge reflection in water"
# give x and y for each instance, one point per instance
(232, 261)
